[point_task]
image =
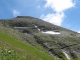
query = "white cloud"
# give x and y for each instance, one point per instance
(78, 31)
(54, 18)
(15, 13)
(59, 6)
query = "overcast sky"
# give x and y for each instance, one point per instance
(65, 13)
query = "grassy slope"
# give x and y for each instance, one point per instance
(15, 43)
(43, 38)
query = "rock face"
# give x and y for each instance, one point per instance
(23, 17)
(60, 42)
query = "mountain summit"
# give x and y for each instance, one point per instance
(39, 40)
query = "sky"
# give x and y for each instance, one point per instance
(64, 13)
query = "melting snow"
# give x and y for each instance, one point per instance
(37, 28)
(66, 55)
(47, 32)
(51, 32)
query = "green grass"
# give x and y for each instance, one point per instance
(34, 47)
(7, 53)
(13, 42)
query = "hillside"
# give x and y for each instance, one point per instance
(30, 38)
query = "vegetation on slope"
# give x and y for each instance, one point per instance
(17, 44)
(21, 35)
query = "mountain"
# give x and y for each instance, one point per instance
(30, 38)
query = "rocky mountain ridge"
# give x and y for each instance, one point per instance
(58, 41)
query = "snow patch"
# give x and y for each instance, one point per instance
(37, 28)
(51, 32)
(65, 53)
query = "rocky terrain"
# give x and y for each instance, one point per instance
(58, 42)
